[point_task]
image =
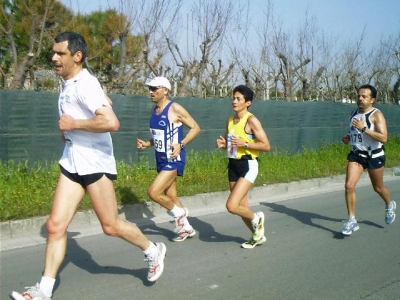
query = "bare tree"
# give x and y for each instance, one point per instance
(289, 64)
(269, 72)
(253, 60)
(149, 20)
(376, 69)
(346, 68)
(314, 47)
(395, 49)
(215, 82)
(210, 20)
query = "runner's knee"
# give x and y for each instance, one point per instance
(378, 188)
(231, 208)
(153, 194)
(111, 229)
(56, 227)
(349, 187)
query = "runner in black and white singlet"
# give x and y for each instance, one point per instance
(166, 127)
(362, 142)
(367, 134)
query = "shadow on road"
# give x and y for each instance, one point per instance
(208, 234)
(309, 218)
(81, 258)
(205, 231)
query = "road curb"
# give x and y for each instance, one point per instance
(30, 232)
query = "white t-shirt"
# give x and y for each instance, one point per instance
(85, 152)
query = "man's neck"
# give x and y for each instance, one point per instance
(74, 72)
(365, 110)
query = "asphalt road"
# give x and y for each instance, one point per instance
(305, 257)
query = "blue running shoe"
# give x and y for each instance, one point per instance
(349, 227)
(390, 214)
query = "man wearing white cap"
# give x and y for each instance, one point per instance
(166, 127)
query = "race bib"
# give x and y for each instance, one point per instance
(158, 139)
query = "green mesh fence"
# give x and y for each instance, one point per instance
(29, 130)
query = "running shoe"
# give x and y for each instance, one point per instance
(349, 227)
(390, 214)
(32, 293)
(184, 234)
(250, 244)
(156, 264)
(258, 228)
(179, 221)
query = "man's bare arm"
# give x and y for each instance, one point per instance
(104, 121)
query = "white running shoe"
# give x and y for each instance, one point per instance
(184, 234)
(156, 264)
(390, 213)
(349, 227)
(258, 228)
(250, 244)
(32, 293)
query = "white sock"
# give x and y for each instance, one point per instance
(47, 285)
(151, 251)
(177, 211)
(256, 219)
(186, 224)
(352, 219)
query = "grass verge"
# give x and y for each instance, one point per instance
(26, 191)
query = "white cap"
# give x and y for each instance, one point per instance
(159, 82)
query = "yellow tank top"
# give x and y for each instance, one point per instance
(238, 130)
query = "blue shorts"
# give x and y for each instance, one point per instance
(85, 180)
(367, 162)
(170, 166)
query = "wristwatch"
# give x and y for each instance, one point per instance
(182, 145)
(246, 145)
(364, 128)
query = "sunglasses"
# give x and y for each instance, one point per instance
(154, 88)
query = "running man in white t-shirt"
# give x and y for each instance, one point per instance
(87, 166)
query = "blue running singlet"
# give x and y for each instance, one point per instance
(164, 134)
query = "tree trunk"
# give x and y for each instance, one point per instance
(21, 71)
(396, 86)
